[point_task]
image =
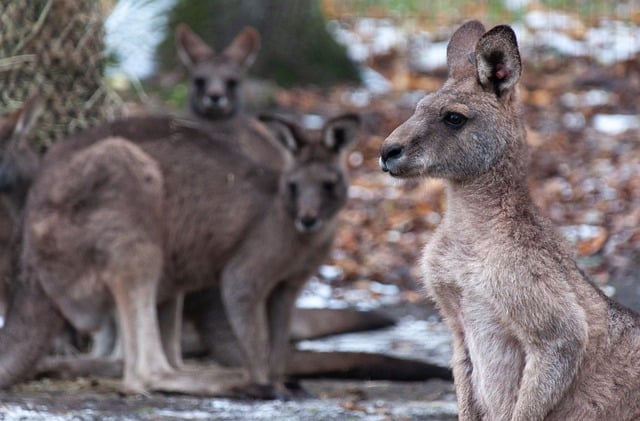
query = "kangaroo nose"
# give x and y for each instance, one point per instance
(215, 100)
(388, 155)
(307, 223)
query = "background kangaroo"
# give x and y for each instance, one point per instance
(216, 101)
(197, 208)
(215, 96)
(533, 338)
(19, 165)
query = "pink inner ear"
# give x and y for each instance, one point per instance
(502, 72)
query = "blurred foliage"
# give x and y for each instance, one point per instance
(296, 47)
(442, 12)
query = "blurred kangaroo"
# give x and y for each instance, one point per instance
(18, 167)
(139, 211)
(215, 100)
(215, 92)
(533, 338)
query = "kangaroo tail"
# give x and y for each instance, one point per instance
(32, 321)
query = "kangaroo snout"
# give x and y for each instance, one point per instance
(215, 101)
(390, 155)
(307, 223)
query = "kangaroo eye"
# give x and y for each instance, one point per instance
(329, 186)
(455, 120)
(293, 188)
(199, 83)
(231, 84)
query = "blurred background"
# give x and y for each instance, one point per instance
(580, 90)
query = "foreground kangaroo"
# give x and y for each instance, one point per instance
(533, 338)
(113, 222)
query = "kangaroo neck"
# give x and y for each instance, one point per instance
(502, 192)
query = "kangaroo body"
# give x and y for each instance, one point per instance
(533, 338)
(138, 212)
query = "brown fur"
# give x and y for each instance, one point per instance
(112, 222)
(533, 338)
(18, 165)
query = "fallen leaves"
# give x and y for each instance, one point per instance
(586, 180)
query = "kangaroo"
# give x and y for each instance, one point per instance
(215, 92)
(136, 212)
(215, 100)
(18, 167)
(533, 338)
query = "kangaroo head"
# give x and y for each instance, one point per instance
(314, 187)
(462, 130)
(20, 160)
(215, 85)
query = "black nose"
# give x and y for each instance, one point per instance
(388, 154)
(308, 221)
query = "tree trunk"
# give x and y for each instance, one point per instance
(55, 48)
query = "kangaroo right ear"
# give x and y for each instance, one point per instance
(191, 48)
(498, 60)
(340, 132)
(286, 132)
(244, 47)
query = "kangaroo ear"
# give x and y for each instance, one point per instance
(17, 125)
(244, 47)
(460, 49)
(340, 132)
(498, 60)
(191, 48)
(286, 132)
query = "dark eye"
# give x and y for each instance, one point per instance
(455, 120)
(293, 188)
(199, 83)
(231, 84)
(329, 186)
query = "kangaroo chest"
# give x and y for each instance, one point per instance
(457, 275)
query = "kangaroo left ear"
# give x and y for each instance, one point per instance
(498, 60)
(340, 132)
(286, 132)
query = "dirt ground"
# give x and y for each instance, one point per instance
(335, 400)
(417, 335)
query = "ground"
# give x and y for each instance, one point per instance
(336, 400)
